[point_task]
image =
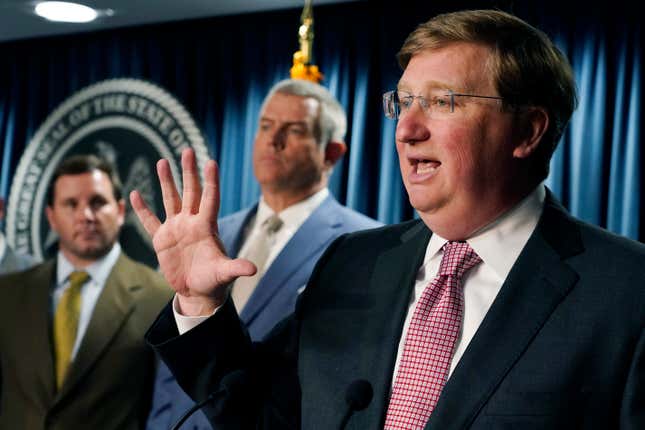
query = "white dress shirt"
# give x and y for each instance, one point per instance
(499, 244)
(90, 291)
(292, 217)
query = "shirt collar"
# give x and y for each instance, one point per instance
(98, 271)
(500, 243)
(294, 214)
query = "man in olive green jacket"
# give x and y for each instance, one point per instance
(105, 380)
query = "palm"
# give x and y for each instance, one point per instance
(190, 255)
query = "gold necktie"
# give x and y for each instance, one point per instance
(258, 252)
(66, 323)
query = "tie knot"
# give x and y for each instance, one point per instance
(458, 258)
(272, 224)
(78, 278)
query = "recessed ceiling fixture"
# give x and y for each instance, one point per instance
(61, 11)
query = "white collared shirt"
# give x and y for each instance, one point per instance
(90, 291)
(292, 217)
(499, 244)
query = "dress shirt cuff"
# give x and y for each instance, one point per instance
(185, 323)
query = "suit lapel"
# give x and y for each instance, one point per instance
(393, 281)
(231, 230)
(114, 306)
(365, 321)
(537, 283)
(316, 232)
(38, 329)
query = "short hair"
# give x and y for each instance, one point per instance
(331, 123)
(85, 163)
(527, 68)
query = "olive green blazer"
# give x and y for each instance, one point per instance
(109, 383)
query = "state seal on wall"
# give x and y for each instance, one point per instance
(130, 123)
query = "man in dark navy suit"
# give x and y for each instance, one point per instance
(495, 310)
(299, 139)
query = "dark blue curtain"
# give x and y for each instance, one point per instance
(596, 170)
(221, 68)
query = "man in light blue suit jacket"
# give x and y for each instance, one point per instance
(299, 139)
(275, 295)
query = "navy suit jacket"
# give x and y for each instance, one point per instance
(273, 299)
(562, 346)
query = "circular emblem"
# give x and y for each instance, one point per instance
(128, 122)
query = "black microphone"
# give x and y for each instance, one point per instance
(229, 384)
(358, 395)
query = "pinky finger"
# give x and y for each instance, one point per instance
(148, 219)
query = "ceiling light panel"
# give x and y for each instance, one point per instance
(60, 11)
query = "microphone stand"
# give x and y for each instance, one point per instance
(229, 384)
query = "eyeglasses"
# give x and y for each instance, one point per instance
(442, 104)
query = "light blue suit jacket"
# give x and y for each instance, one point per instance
(274, 297)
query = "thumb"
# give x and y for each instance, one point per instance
(233, 269)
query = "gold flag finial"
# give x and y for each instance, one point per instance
(302, 60)
(306, 32)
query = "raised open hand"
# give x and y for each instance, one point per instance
(189, 251)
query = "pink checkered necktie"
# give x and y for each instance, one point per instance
(430, 342)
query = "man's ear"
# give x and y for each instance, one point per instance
(121, 211)
(533, 123)
(50, 218)
(333, 151)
